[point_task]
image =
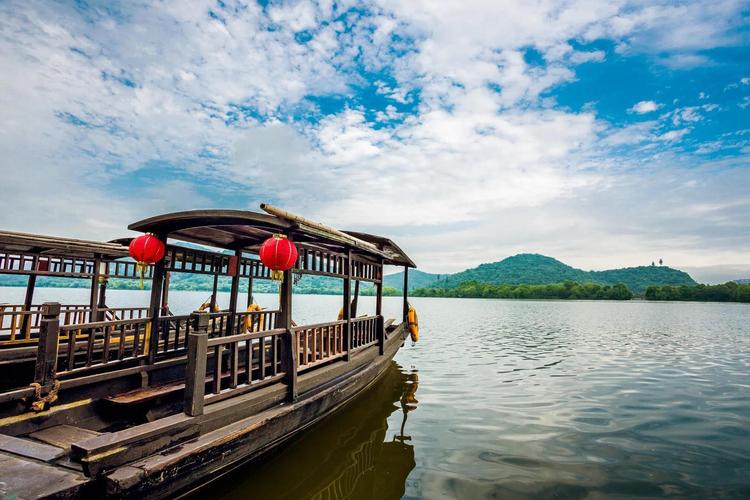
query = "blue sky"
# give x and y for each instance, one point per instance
(605, 134)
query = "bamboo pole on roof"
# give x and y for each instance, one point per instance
(321, 229)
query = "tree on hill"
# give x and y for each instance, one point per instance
(567, 290)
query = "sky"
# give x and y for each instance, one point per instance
(605, 134)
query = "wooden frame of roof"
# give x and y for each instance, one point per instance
(40, 244)
(39, 255)
(245, 230)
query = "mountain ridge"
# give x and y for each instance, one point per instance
(537, 269)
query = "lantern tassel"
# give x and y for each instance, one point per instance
(141, 268)
(277, 275)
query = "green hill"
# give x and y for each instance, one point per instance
(417, 279)
(535, 269)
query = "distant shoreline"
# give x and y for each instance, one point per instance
(330, 293)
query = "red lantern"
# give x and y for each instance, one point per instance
(278, 254)
(146, 250)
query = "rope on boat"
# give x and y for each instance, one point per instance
(42, 403)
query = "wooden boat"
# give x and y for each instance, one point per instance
(153, 404)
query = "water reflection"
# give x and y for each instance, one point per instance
(348, 455)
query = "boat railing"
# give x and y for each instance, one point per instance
(320, 343)
(173, 331)
(120, 313)
(232, 364)
(246, 350)
(364, 331)
(255, 321)
(90, 346)
(20, 327)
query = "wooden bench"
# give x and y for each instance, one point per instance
(145, 394)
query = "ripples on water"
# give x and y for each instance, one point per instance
(531, 399)
(581, 400)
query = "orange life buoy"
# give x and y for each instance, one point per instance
(249, 319)
(413, 322)
(207, 305)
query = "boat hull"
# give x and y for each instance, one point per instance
(194, 462)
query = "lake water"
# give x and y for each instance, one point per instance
(525, 399)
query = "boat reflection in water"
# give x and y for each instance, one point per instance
(347, 455)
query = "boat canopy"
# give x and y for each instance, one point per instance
(245, 230)
(33, 254)
(44, 245)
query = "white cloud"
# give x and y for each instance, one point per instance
(643, 107)
(673, 135)
(174, 106)
(685, 61)
(584, 57)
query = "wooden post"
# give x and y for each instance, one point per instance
(212, 305)
(102, 301)
(27, 302)
(165, 293)
(249, 290)
(157, 283)
(46, 352)
(406, 294)
(347, 308)
(195, 370)
(355, 299)
(290, 350)
(94, 292)
(379, 311)
(234, 293)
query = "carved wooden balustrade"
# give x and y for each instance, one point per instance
(88, 346)
(319, 343)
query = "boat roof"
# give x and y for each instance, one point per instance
(399, 257)
(55, 245)
(246, 230)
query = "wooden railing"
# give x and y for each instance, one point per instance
(120, 313)
(257, 321)
(19, 327)
(94, 345)
(127, 269)
(319, 343)
(25, 262)
(262, 359)
(238, 363)
(173, 331)
(364, 269)
(231, 353)
(364, 332)
(315, 260)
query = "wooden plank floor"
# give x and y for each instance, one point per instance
(30, 449)
(63, 435)
(25, 478)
